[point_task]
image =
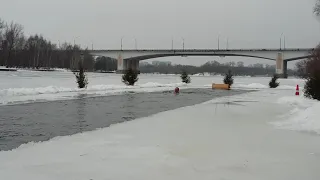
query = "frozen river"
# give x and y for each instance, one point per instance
(262, 134)
(23, 123)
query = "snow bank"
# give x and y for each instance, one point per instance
(14, 95)
(154, 84)
(261, 86)
(250, 86)
(102, 87)
(296, 101)
(34, 91)
(304, 115)
(203, 74)
(287, 87)
(206, 141)
(43, 69)
(61, 69)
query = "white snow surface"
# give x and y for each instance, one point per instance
(225, 138)
(29, 86)
(304, 115)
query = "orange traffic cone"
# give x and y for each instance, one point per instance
(297, 91)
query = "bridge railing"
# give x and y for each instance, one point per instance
(201, 50)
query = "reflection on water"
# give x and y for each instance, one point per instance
(81, 112)
(130, 102)
(23, 123)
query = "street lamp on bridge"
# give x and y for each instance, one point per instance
(182, 43)
(284, 41)
(219, 42)
(227, 44)
(135, 43)
(121, 42)
(172, 43)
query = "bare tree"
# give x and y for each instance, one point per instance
(313, 62)
(301, 69)
(1, 29)
(312, 86)
(240, 64)
(316, 8)
(13, 36)
(1, 23)
(1, 41)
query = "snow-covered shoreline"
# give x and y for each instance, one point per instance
(31, 86)
(225, 138)
(264, 134)
(304, 115)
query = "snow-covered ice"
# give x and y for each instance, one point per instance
(28, 86)
(304, 116)
(226, 138)
(262, 134)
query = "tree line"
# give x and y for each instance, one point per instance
(34, 51)
(20, 51)
(214, 67)
(309, 69)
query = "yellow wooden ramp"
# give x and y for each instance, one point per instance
(221, 86)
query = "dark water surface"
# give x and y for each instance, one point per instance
(24, 123)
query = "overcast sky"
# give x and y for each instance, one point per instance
(246, 23)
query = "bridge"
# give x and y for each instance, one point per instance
(130, 58)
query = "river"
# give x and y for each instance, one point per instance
(40, 121)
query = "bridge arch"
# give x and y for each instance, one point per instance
(298, 58)
(140, 58)
(130, 58)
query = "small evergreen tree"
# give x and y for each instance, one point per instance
(273, 83)
(81, 76)
(228, 78)
(130, 77)
(185, 77)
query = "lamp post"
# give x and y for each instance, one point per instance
(121, 43)
(281, 41)
(227, 43)
(135, 43)
(219, 42)
(172, 43)
(182, 43)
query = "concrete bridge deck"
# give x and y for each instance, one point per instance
(129, 58)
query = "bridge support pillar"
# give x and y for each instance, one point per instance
(124, 65)
(281, 66)
(135, 65)
(285, 69)
(129, 65)
(121, 64)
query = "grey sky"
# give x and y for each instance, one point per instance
(247, 23)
